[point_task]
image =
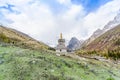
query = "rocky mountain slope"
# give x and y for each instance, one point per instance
(74, 44)
(109, 40)
(96, 34)
(17, 38)
(108, 26)
(113, 23)
(107, 45)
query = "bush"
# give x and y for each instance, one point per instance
(4, 38)
(117, 42)
(114, 54)
(50, 48)
(92, 52)
(110, 78)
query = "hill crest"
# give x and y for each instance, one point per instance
(17, 38)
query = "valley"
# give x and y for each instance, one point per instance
(59, 39)
(24, 58)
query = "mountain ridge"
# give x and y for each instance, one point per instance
(17, 38)
(107, 45)
(106, 40)
(99, 32)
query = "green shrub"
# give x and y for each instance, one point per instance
(117, 42)
(114, 54)
(4, 38)
(110, 78)
(50, 48)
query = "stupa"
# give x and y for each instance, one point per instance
(61, 45)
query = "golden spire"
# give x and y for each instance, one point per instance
(60, 35)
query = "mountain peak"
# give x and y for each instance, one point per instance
(74, 38)
(74, 43)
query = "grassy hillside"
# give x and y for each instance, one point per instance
(24, 64)
(14, 37)
(107, 45)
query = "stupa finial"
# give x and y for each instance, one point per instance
(60, 35)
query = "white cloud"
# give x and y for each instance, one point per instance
(102, 16)
(65, 2)
(35, 20)
(38, 20)
(73, 12)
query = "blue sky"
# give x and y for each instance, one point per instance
(90, 5)
(8, 7)
(44, 20)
